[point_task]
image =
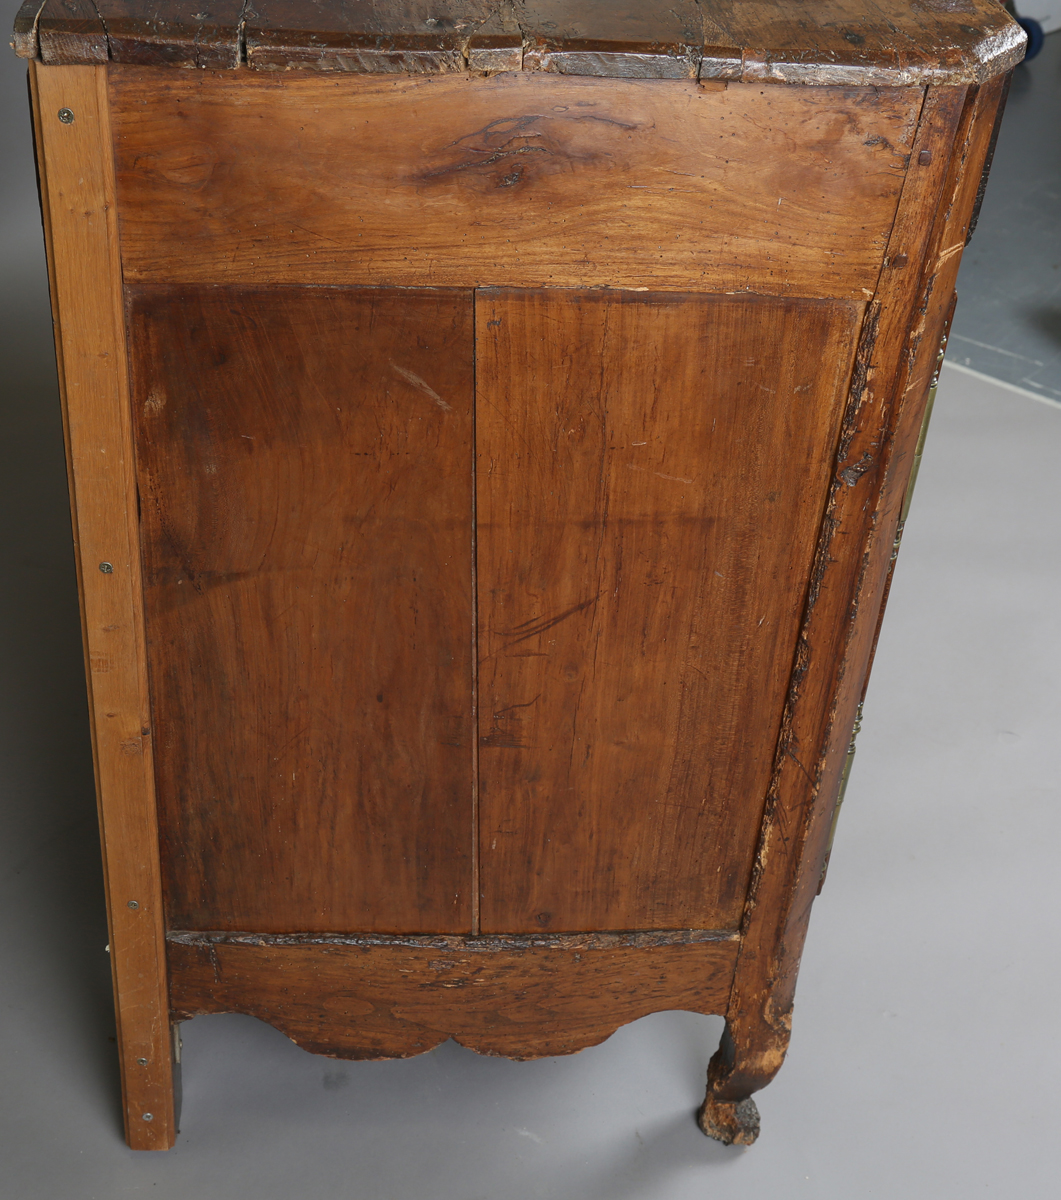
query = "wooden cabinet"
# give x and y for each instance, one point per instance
(489, 430)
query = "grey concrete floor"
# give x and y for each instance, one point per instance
(925, 1060)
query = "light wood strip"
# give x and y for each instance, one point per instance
(79, 204)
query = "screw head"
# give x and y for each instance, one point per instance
(142, 1061)
(149, 1116)
(66, 116)
(106, 568)
(133, 904)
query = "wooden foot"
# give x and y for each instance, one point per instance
(747, 1058)
(733, 1124)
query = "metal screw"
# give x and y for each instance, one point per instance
(149, 1116)
(106, 568)
(142, 1061)
(66, 116)
(133, 904)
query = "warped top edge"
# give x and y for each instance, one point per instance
(856, 43)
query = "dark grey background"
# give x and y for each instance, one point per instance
(925, 1057)
(1008, 323)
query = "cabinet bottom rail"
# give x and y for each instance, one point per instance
(373, 996)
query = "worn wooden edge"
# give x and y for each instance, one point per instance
(908, 398)
(895, 546)
(889, 389)
(987, 96)
(25, 34)
(466, 943)
(369, 997)
(80, 215)
(230, 39)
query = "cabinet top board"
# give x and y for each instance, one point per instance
(822, 42)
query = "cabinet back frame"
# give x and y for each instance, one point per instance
(79, 200)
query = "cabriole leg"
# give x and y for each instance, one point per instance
(745, 1061)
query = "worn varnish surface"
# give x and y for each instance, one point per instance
(869, 42)
(77, 195)
(651, 476)
(515, 180)
(305, 479)
(639, 40)
(375, 1000)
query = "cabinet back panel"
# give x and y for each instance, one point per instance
(305, 471)
(651, 475)
(521, 179)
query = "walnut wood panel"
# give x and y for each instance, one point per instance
(521, 998)
(866, 42)
(512, 180)
(652, 471)
(897, 353)
(305, 477)
(77, 193)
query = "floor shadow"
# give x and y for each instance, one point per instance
(50, 860)
(661, 1152)
(1046, 319)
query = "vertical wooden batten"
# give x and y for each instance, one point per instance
(78, 200)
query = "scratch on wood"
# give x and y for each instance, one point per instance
(421, 386)
(534, 627)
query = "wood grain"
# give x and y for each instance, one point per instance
(862, 42)
(305, 472)
(424, 181)
(77, 191)
(521, 999)
(652, 471)
(897, 354)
